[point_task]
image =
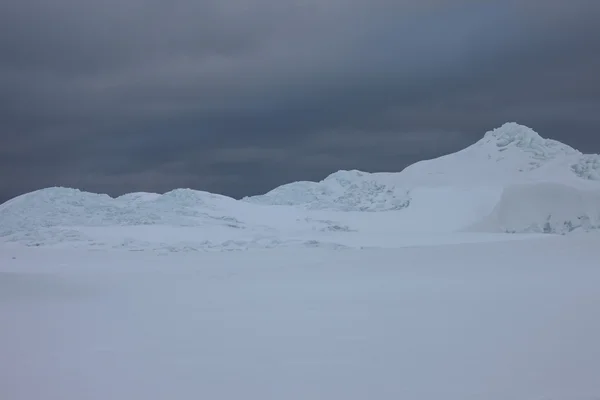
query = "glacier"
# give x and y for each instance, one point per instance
(511, 181)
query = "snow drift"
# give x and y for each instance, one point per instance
(511, 181)
(543, 207)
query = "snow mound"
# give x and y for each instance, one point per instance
(71, 207)
(342, 191)
(588, 167)
(510, 181)
(513, 134)
(543, 208)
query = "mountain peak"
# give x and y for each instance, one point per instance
(520, 139)
(511, 132)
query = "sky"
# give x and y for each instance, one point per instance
(237, 97)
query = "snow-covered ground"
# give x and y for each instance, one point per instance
(488, 321)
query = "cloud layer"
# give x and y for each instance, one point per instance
(236, 97)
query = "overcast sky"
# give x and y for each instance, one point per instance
(239, 96)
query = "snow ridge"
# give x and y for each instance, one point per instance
(509, 154)
(341, 191)
(510, 181)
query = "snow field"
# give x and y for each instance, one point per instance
(495, 321)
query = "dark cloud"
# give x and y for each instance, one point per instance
(237, 97)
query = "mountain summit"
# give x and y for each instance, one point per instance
(509, 154)
(512, 132)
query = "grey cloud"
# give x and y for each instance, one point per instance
(238, 97)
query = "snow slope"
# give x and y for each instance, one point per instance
(492, 321)
(510, 154)
(511, 181)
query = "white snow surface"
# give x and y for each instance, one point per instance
(511, 181)
(489, 321)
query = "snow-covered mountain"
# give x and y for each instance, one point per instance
(512, 180)
(510, 154)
